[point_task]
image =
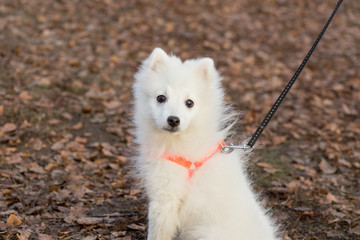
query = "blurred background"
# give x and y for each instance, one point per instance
(66, 71)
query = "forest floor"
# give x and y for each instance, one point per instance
(66, 142)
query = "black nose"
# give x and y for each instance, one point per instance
(173, 121)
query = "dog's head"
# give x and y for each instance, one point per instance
(175, 95)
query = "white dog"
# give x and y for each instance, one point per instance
(195, 191)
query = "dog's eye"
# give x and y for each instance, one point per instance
(161, 98)
(189, 103)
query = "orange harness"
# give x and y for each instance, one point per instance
(192, 166)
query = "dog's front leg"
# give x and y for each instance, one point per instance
(163, 219)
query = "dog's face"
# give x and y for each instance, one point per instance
(175, 94)
(173, 109)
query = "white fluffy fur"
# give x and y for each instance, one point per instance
(217, 203)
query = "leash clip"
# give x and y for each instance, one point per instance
(230, 147)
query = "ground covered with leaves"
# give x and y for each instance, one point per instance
(66, 71)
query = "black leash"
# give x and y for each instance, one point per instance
(250, 145)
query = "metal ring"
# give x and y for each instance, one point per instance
(230, 147)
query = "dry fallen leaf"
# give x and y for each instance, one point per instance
(42, 82)
(50, 166)
(76, 212)
(25, 96)
(13, 220)
(134, 192)
(34, 167)
(326, 168)
(90, 238)
(75, 146)
(277, 140)
(6, 191)
(87, 109)
(306, 213)
(25, 124)
(356, 230)
(37, 144)
(330, 198)
(356, 164)
(23, 234)
(278, 190)
(266, 167)
(58, 146)
(81, 140)
(125, 238)
(293, 186)
(117, 184)
(14, 159)
(122, 159)
(89, 221)
(7, 127)
(54, 122)
(139, 227)
(44, 237)
(344, 163)
(112, 104)
(67, 116)
(77, 126)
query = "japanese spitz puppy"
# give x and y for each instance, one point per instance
(195, 191)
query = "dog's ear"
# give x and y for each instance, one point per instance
(157, 58)
(207, 70)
